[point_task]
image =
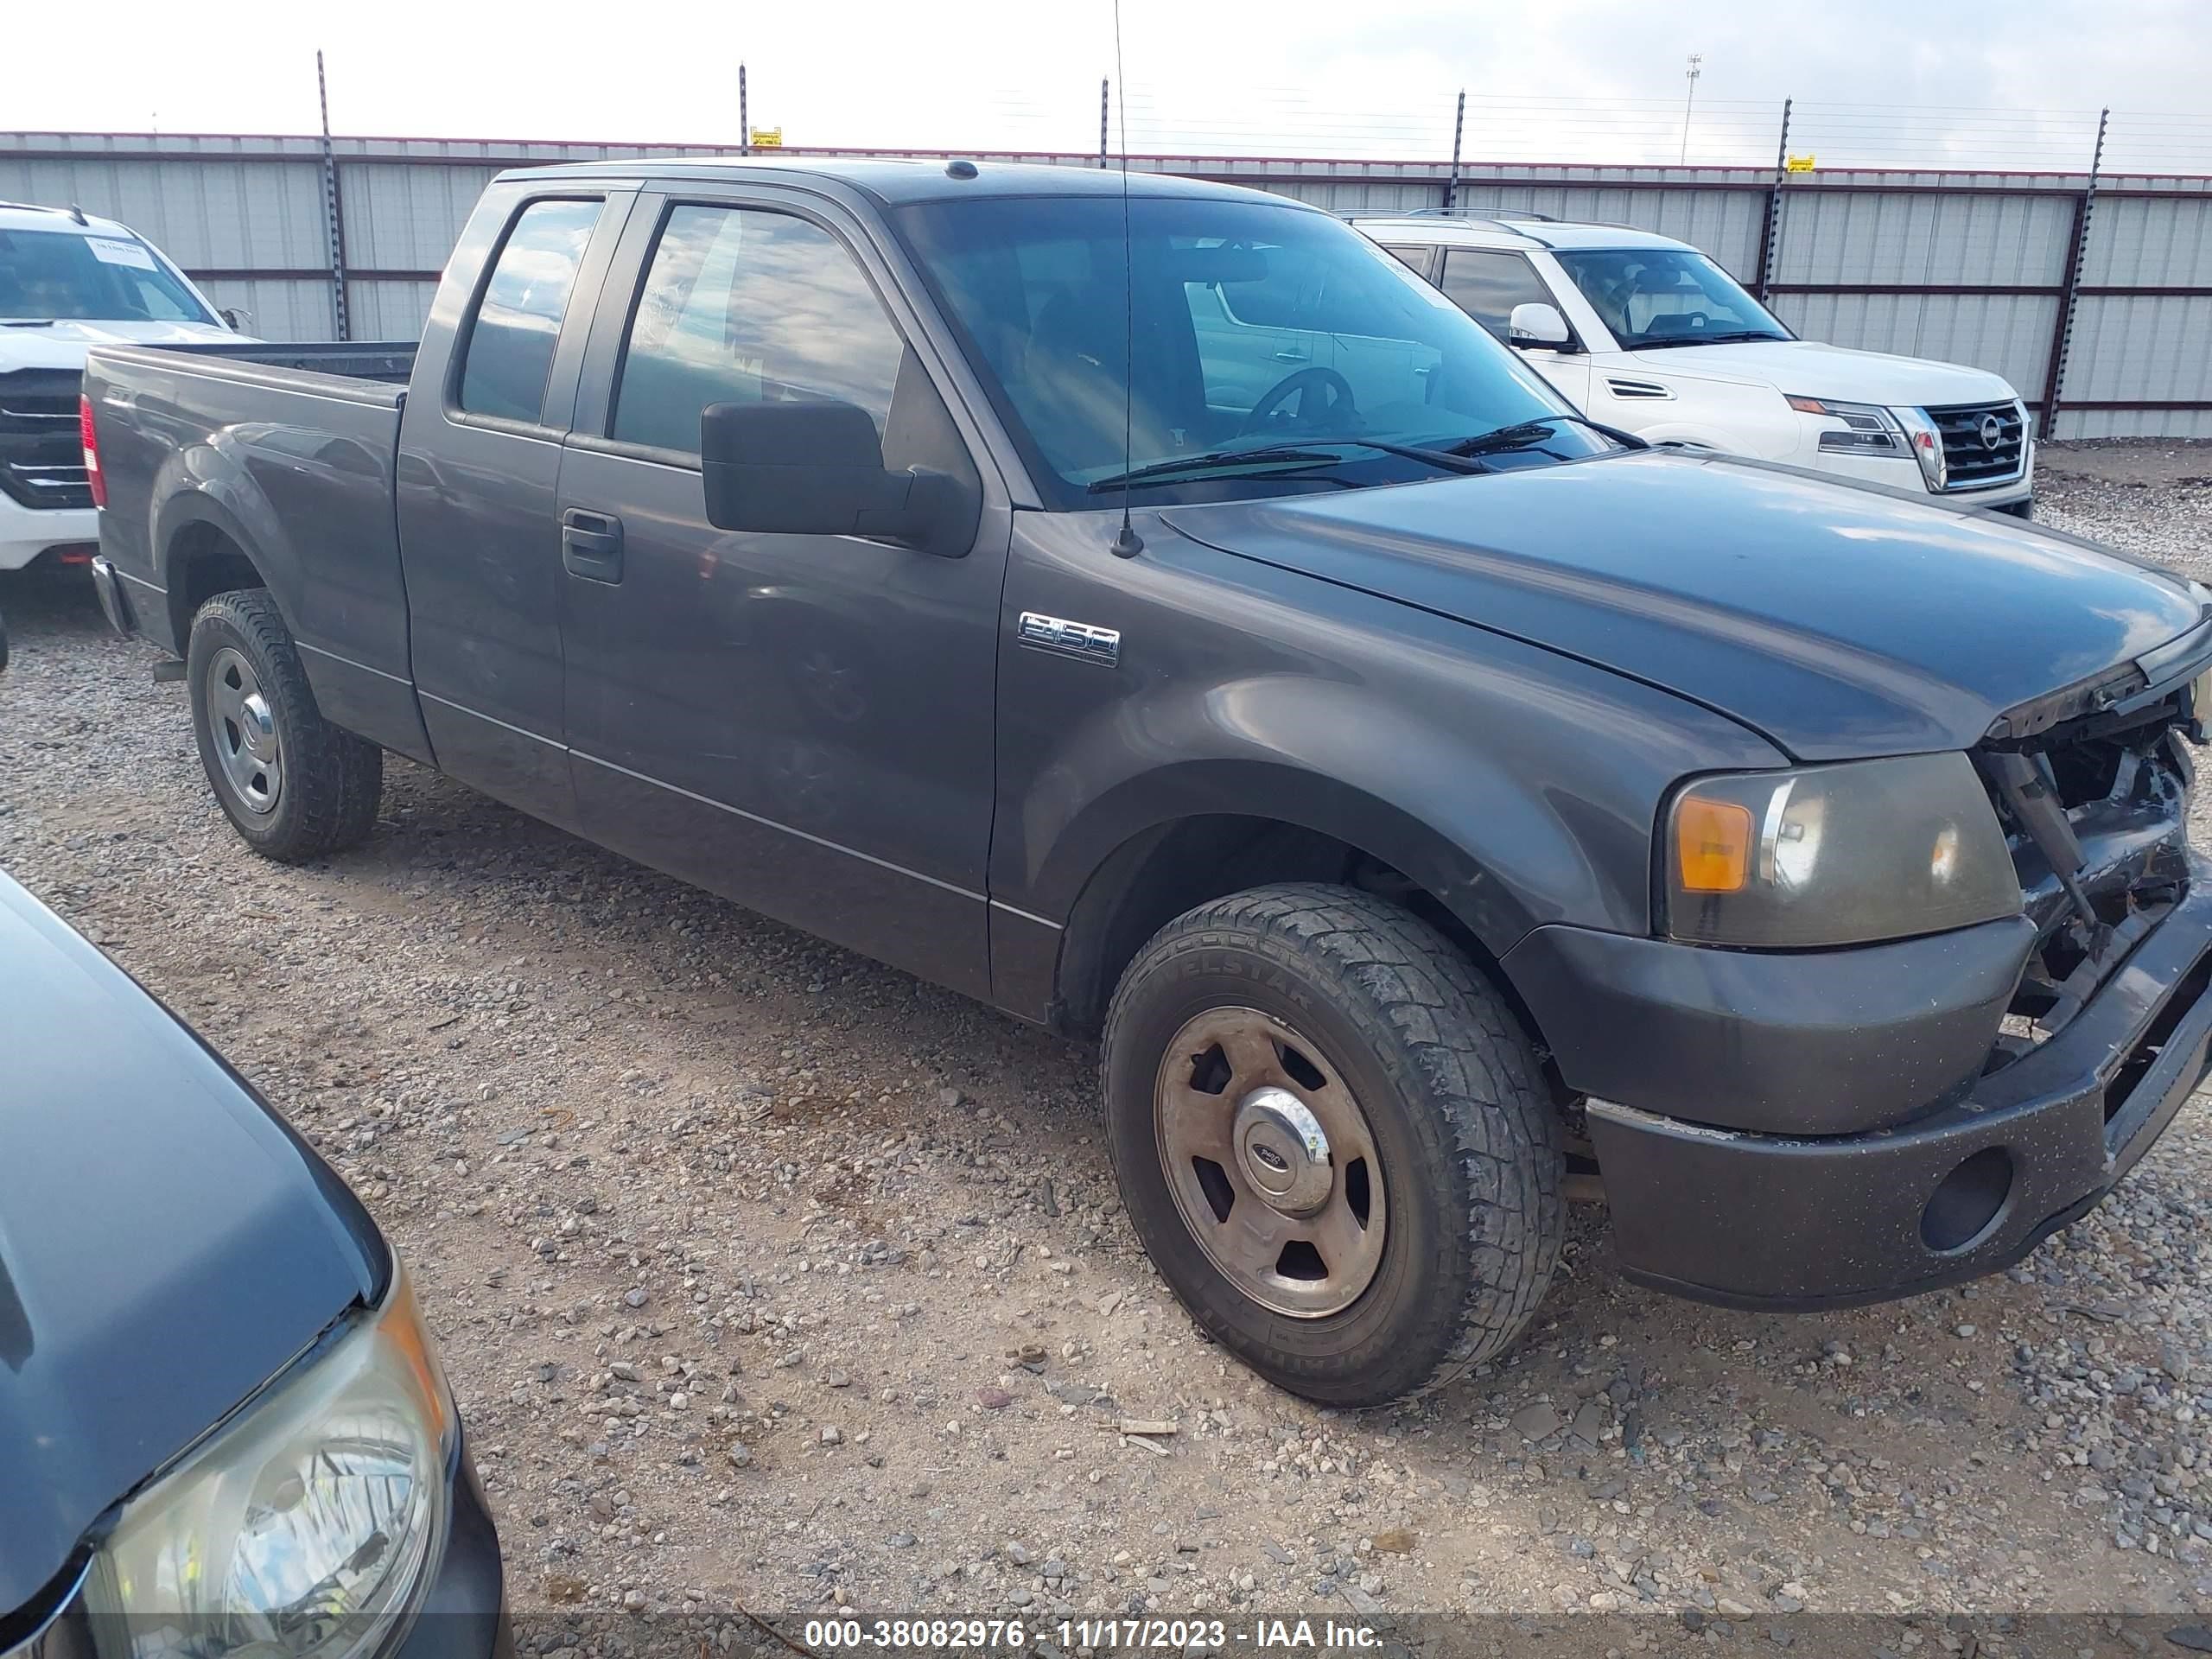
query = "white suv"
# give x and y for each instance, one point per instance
(1647, 333)
(69, 282)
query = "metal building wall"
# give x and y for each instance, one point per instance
(2010, 335)
(2153, 345)
(223, 218)
(1967, 267)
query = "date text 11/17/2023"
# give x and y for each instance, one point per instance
(1173, 1635)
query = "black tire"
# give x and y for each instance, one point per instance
(325, 796)
(1469, 1141)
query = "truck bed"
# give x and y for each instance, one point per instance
(300, 442)
(376, 371)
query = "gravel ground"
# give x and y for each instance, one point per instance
(765, 1273)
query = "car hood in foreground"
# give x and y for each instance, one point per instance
(1811, 368)
(1837, 622)
(166, 1244)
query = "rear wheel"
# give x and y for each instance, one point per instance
(1334, 1139)
(294, 785)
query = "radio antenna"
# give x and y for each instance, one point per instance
(1127, 543)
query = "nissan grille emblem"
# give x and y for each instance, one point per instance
(1993, 433)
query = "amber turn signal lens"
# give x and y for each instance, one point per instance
(1713, 845)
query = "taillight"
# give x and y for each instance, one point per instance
(88, 435)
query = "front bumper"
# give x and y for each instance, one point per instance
(1805, 1218)
(26, 532)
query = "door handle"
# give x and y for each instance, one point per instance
(591, 545)
(1291, 357)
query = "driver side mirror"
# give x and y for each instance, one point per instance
(234, 318)
(1536, 324)
(816, 468)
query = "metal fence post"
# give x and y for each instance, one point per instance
(2062, 334)
(1102, 123)
(333, 214)
(744, 117)
(1771, 227)
(1459, 126)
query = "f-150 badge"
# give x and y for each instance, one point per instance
(1054, 633)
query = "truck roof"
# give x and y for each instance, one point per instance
(1431, 230)
(894, 181)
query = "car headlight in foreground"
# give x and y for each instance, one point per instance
(306, 1526)
(1838, 854)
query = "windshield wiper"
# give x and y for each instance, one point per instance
(1207, 461)
(1523, 435)
(1270, 454)
(1735, 336)
(1451, 460)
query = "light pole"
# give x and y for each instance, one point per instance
(1690, 75)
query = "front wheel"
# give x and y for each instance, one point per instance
(1334, 1139)
(294, 785)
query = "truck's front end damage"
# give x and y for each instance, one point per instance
(2092, 785)
(1933, 1108)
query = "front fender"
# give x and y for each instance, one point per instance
(1479, 826)
(1517, 786)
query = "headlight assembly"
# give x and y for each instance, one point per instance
(304, 1529)
(1832, 855)
(1866, 429)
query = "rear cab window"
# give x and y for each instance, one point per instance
(512, 338)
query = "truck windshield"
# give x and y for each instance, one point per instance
(1269, 329)
(1666, 297)
(66, 275)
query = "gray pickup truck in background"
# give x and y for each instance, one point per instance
(1429, 804)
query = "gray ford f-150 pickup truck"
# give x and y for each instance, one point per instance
(1431, 804)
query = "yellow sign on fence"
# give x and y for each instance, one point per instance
(1796, 163)
(768, 138)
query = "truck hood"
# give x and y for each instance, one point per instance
(1837, 622)
(63, 345)
(1806, 368)
(166, 1244)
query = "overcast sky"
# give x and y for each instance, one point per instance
(1571, 79)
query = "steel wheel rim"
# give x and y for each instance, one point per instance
(243, 729)
(1237, 1101)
